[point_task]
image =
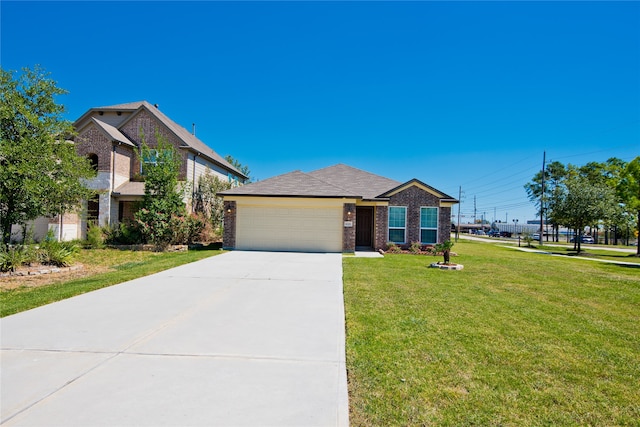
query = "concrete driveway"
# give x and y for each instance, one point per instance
(239, 339)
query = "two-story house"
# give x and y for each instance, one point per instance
(111, 138)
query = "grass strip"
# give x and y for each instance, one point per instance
(120, 270)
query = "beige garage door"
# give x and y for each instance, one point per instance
(317, 229)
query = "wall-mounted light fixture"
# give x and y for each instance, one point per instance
(349, 213)
(229, 210)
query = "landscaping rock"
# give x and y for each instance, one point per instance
(446, 266)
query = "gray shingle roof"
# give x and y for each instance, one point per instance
(356, 181)
(130, 188)
(113, 132)
(334, 181)
(292, 184)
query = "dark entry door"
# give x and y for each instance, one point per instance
(364, 226)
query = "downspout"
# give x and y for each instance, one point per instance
(113, 168)
(113, 182)
(193, 181)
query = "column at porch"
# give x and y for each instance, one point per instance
(381, 222)
(229, 225)
(349, 227)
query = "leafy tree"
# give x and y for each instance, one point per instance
(583, 204)
(206, 199)
(40, 172)
(629, 190)
(163, 196)
(242, 168)
(608, 174)
(554, 175)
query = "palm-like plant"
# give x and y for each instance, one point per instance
(445, 248)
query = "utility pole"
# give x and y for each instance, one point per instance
(544, 158)
(474, 209)
(459, 203)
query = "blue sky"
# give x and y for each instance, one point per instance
(453, 93)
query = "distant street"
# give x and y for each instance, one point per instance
(550, 244)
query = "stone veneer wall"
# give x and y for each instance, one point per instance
(229, 234)
(349, 233)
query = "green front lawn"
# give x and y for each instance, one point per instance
(515, 339)
(104, 267)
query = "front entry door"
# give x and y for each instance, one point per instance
(364, 226)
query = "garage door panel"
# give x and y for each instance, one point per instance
(289, 229)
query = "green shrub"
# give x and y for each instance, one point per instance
(393, 248)
(185, 228)
(12, 257)
(123, 234)
(415, 247)
(528, 238)
(95, 237)
(57, 253)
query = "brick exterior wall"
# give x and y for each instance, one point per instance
(444, 224)
(414, 198)
(149, 126)
(349, 233)
(381, 223)
(124, 160)
(229, 233)
(93, 141)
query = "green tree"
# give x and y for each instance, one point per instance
(206, 200)
(583, 204)
(608, 174)
(554, 175)
(163, 195)
(40, 172)
(629, 191)
(242, 168)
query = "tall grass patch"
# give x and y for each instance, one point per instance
(513, 339)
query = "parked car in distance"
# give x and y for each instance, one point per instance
(583, 239)
(494, 233)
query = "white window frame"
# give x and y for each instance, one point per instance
(430, 228)
(154, 162)
(389, 228)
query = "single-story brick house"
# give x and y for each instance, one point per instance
(334, 209)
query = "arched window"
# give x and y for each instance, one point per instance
(93, 158)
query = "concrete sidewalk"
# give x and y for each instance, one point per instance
(240, 339)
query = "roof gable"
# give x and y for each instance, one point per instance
(417, 183)
(111, 132)
(292, 184)
(189, 140)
